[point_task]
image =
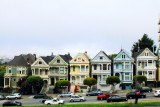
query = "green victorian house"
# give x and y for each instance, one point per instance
(18, 68)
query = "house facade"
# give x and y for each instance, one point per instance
(159, 51)
(146, 65)
(101, 69)
(79, 70)
(18, 68)
(123, 68)
(41, 68)
(59, 68)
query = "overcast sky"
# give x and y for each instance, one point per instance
(62, 26)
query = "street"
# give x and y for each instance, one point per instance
(89, 99)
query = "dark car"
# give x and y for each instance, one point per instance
(133, 95)
(40, 95)
(104, 96)
(116, 99)
(146, 90)
(94, 93)
(46, 98)
(12, 103)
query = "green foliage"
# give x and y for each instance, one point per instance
(7, 90)
(90, 81)
(112, 56)
(2, 78)
(113, 80)
(3, 68)
(63, 83)
(139, 78)
(143, 43)
(34, 82)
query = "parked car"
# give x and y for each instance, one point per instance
(14, 96)
(66, 94)
(77, 98)
(54, 101)
(146, 90)
(40, 95)
(12, 103)
(104, 96)
(94, 93)
(2, 97)
(157, 93)
(116, 99)
(133, 95)
(46, 98)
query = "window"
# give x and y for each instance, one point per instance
(10, 71)
(104, 66)
(149, 62)
(36, 71)
(127, 65)
(139, 63)
(6, 81)
(79, 59)
(127, 76)
(101, 57)
(123, 56)
(150, 74)
(61, 70)
(95, 67)
(83, 87)
(104, 78)
(82, 68)
(40, 62)
(58, 61)
(46, 72)
(23, 71)
(146, 54)
(74, 68)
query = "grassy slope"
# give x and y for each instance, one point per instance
(104, 105)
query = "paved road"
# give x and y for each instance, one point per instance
(89, 99)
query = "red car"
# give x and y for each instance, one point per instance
(104, 96)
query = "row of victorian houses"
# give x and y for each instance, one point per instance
(64, 67)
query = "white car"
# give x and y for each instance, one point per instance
(14, 96)
(66, 94)
(157, 93)
(77, 98)
(54, 101)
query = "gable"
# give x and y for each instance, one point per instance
(101, 56)
(80, 58)
(123, 55)
(147, 53)
(39, 62)
(58, 61)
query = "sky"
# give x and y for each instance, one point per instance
(61, 26)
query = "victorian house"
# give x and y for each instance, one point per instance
(146, 65)
(159, 51)
(79, 70)
(123, 68)
(59, 68)
(17, 69)
(101, 69)
(41, 68)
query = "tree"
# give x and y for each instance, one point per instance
(62, 84)
(112, 56)
(143, 43)
(2, 72)
(139, 79)
(90, 82)
(34, 83)
(112, 80)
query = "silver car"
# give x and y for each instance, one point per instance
(66, 94)
(77, 98)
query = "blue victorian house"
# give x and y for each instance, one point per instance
(123, 68)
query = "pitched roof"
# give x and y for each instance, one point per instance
(22, 60)
(122, 50)
(138, 53)
(104, 54)
(47, 59)
(66, 57)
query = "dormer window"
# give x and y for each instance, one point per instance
(79, 59)
(146, 54)
(123, 56)
(101, 58)
(58, 61)
(40, 62)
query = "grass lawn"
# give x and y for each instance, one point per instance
(142, 104)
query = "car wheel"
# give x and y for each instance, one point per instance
(130, 97)
(158, 95)
(126, 99)
(48, 104)
(16, 98)
(81, 100)
(71, 100)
